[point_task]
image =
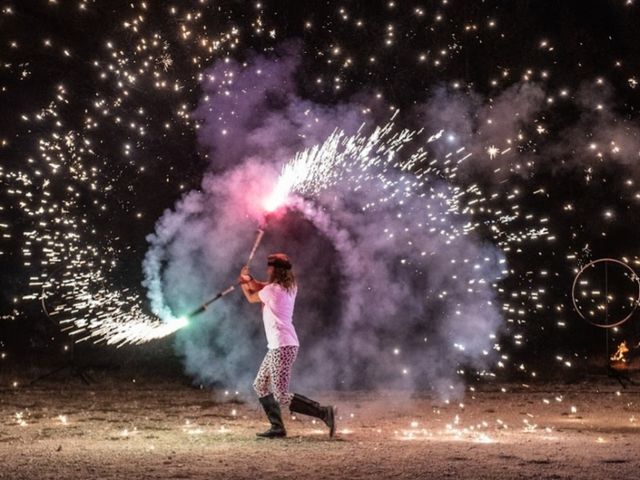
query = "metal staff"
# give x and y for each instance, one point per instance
(204, 306)
(255, 245)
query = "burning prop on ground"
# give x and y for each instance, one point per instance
(625, 357)
(620, 357)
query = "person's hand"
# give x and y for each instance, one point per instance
(245, 276)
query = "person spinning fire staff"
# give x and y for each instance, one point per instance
(278, 296)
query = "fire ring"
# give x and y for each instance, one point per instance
(634, 276)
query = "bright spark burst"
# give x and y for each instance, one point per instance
(117, 318)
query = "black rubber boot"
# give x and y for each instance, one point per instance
(272, 409)
(306, 406)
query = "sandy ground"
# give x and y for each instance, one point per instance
(121, 429)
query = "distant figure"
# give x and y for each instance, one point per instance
(278, 296)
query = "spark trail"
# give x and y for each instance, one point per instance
(106, 315)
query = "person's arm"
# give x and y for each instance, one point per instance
(250, 286)
(250, 295)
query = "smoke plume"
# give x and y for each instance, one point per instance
(389, 295)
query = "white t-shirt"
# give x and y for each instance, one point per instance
(277, 315)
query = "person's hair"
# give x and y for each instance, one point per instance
(283, 277)
(282, 273)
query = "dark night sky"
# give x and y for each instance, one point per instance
(55, 58)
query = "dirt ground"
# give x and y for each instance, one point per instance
(124, 429)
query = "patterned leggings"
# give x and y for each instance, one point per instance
(274, 374)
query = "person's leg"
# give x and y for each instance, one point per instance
(262, 387)
(281, 365)
(301, 404)
(306, 406)
(261, 384)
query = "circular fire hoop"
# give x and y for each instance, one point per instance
(634, 277)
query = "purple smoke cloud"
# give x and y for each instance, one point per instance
(384, 299)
